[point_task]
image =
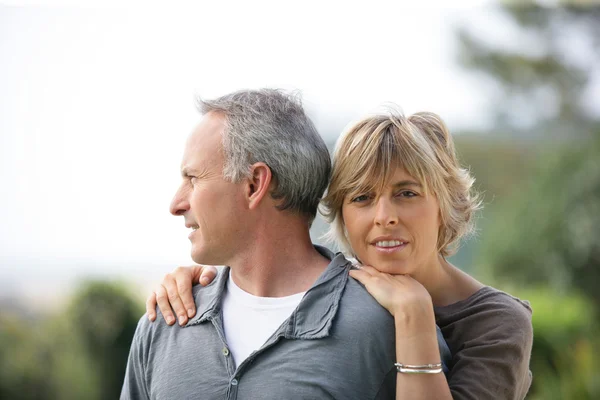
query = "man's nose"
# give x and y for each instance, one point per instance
(180, 203)
(385, 213)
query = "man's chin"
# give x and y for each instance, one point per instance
(200, 257)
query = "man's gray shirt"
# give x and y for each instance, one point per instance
(337, 344)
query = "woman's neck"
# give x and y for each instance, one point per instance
(446, 283)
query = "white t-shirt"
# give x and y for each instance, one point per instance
(249, 320)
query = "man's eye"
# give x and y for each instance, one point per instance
(359, 199)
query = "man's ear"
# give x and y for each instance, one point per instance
(258, 183)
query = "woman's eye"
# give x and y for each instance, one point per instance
(407, 193)
(361, 198)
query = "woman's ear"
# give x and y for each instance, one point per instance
(258, 183)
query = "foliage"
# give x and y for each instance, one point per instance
(104, 317)
(20, 359)
(563, 358)
(539, 73)
(547, 232)
(540, 231)
(78, 354)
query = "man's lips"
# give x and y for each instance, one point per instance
(193, 227)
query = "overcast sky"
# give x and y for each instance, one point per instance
(96, 104)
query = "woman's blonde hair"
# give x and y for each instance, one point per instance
(371, 150)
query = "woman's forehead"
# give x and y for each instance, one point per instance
(380, 180)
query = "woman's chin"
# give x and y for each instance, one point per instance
(394, 267)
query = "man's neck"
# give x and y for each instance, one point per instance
(280, 262)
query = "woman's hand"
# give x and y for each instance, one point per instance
(404, 297)
(176, 291)
(416, 339)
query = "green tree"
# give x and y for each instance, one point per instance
(541, 227)
(23, 360)
(539, 235)
(544, 73)
(550, 235)
(78, 354)
(105, 316)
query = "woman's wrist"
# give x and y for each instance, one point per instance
(417, 349)
(416, 320)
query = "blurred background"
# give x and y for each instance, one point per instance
(96, 103)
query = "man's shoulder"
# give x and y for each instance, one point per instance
(148, 331)
(357, 306)
(207, 298)
(212, 289)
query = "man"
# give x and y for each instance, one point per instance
(282, 320)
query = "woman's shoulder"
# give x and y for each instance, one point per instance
(483, 300)
(487, 311)
(490, 335)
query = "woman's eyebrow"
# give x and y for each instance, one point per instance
(405, 183)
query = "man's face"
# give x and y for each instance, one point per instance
(212, 206)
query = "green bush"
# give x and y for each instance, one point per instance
(566, 340)
(79, 354)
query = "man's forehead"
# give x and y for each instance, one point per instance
(212, 124)
(209, 131)
(204, 145)
(212, 120)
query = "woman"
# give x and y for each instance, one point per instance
(399, 202)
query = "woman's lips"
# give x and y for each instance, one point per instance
(389, 246)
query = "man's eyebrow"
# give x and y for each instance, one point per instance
(187, 171)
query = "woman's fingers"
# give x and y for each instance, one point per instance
(360, 275)
(172, 286)
(164, 306)
(174, 296)
(366, 275)
(376, 284)
(151, 307)
(208, 274)
(368, 269)
(184, 279)
(375, 273)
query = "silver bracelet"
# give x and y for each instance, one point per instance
(419, 369)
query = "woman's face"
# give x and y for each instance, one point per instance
(396, 230)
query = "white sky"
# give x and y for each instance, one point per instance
(96, 104)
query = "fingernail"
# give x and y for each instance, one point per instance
(190, 313)
(170, 320)
(204, 280)
(181, 320)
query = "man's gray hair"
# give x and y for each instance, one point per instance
(270, 126)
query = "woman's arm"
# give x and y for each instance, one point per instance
(176, 291)
(416, 340)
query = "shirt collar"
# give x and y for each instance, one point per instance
(313, 317)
